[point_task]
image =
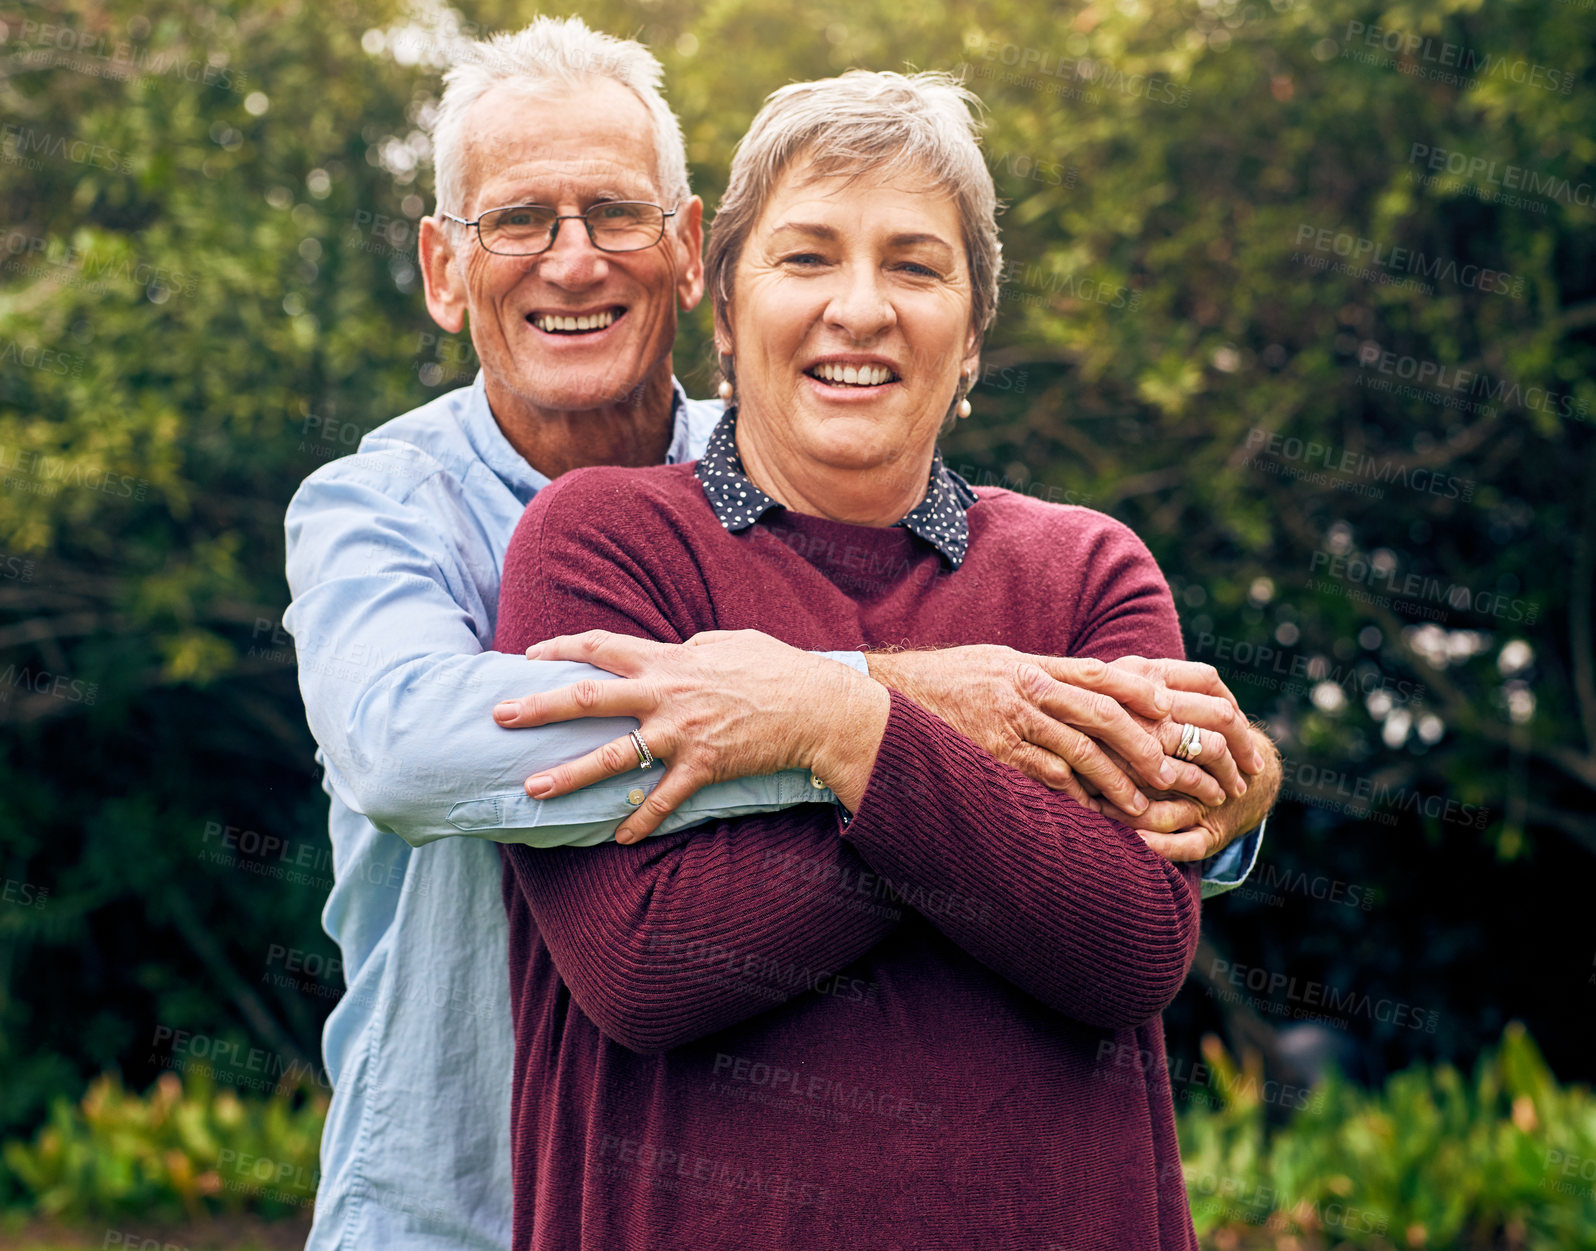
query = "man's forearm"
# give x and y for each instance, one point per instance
(436, 766)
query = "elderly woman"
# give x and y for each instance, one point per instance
(898, 1019)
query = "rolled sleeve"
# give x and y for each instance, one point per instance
(1223, 872)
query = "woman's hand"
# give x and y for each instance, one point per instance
(725, 704)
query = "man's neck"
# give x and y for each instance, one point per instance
(631, 431)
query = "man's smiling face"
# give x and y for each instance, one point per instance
(574, 328)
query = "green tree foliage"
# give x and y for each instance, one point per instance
(1237, 300)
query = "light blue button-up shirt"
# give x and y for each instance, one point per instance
(393, 562)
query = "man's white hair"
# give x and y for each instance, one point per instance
(551, 55)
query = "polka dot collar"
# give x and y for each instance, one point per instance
(939, 518)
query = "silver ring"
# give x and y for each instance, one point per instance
(645, 758)
(1191, 743)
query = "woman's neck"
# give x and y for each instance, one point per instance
(879, 494)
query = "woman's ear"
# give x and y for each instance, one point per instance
(971, 368)
(723, 335)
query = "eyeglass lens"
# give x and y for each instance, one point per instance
(615, 226)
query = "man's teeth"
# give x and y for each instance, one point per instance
(594, 321)
(854, 375)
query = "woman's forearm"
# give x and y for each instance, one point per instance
(1069, 905)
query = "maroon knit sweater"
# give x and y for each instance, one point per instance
(773, 1032)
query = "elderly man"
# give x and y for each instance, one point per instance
(394, 557)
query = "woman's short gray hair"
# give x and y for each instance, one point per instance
(550, 55)
(866, 121)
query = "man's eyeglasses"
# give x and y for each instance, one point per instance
(528, 229)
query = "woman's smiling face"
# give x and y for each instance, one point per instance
(850, 319)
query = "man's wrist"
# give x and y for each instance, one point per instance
(847, 733)
(890, 670)
(1236, 816)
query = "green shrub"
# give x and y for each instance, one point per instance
(1433, 1160)
(175, 1153)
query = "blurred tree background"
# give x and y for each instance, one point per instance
(1302, 296)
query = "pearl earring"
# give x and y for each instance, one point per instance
(725, 390)
(964, 408)
(964, 400)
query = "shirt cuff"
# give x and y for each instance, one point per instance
(1232, 866)
(854, 660)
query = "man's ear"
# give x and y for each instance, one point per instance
(440, 273)
(690, 241)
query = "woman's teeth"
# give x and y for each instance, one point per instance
(854, 375)
(557, 325)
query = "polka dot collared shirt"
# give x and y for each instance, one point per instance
(939, 518)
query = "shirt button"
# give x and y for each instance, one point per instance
(816, 782)
(634, 796)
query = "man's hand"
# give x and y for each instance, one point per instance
(725, 704)
(1179, 829)
(1202, 698)
(1044, 715)
(1082, 726)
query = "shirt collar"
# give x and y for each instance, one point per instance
(939, 518)
(513, 469)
